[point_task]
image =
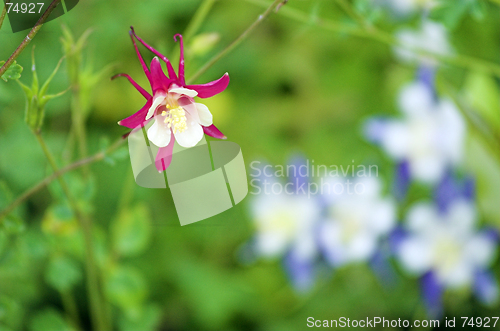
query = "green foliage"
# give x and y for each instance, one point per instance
(13, 73)
(131, 231)
(147, 320)
(63, 273)
(126, 288)
(49, 319)
(452, 12)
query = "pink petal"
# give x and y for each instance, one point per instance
(164, 156)
(137, 86)
(182, 80)
(137, 119)
(144, 67)
(212, 131)
(210, 89)
(171, 72)
(158, 79)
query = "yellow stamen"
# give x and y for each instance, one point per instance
(176, 119)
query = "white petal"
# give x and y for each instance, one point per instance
(396, 140)
(205, 115)
(159, 135)
(480, 250)
(185, 91)
(191, 136)
(416, 99)
(415, 255)
(461, 275)
(156, 102)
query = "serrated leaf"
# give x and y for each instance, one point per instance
(63, 273)
(131, 231)
(49, 320)
(13, 73)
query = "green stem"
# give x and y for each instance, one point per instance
(461, 61)
(98, 317)
(79, 125)
(198, 18)
(29, 37)
(71, 308)
(236, 42)
(2, 16)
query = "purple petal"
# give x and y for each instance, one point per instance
(486, 287)
(164, 156)
(182, 80)
(432, 293)
(402, 180)
(426, 75)
(298, 173)
(212, 131)
(373, 129)
(301, 273)
(446, 192)
(210, 89)
(395, 239)
(158, 79)
(383, 268)
(170, 69)
(469, 188)
(137, 119)
(137, 86)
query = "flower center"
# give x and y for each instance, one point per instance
(175, 118)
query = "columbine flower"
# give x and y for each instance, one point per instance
(285, 222)
(430, 136)
(176, 115)
(357, 219)
(440, 243)
(432, 38)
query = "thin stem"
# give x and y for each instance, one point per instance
(352, 13)
(461, 61)
(29, 37)
(236, 42)
(198, 18)
(49, 179)
(2, 16)
(98, 317)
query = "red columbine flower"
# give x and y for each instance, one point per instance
(177, 116)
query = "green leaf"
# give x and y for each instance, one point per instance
(10, 311)
(131, 231)
(14, 71)
(13, 224)
(126, 288)
(147, 320)
(482, 92)
(49, 320)
(63, 273)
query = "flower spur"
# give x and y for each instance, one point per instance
(177, 117)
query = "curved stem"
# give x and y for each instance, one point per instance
(49, 179)
(236, 42)
(29, 37)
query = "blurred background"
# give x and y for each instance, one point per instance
(398, 84)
